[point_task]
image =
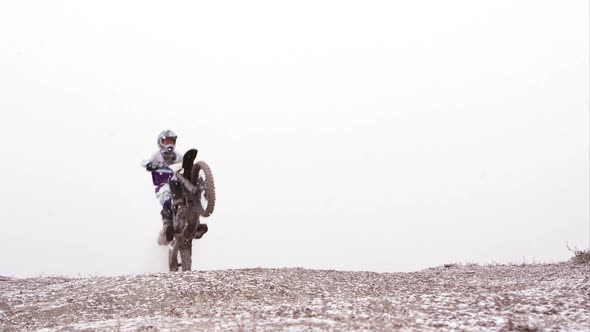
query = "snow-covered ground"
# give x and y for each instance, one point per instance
(448, 298)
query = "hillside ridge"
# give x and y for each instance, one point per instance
(445, 298)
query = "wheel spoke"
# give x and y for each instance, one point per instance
(202, 187)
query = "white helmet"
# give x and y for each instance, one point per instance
(167, 143)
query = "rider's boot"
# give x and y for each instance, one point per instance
(167, 233)
(201, 230)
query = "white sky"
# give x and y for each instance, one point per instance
(352, 135)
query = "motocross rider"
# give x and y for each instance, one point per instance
(158, 164)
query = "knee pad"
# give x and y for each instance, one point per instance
(167, 205)
(166, 214)
(165, 197)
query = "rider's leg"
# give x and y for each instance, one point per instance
(167, 221)
(167, 233)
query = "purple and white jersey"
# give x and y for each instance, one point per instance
(163, 174)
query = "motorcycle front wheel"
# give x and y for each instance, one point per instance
(203, 178)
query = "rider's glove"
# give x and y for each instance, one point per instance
(150, 167)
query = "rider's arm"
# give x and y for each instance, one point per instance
(152, 163)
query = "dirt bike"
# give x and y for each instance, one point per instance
(193, 197)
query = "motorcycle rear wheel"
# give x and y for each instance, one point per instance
(182, 251)
(173, 256)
